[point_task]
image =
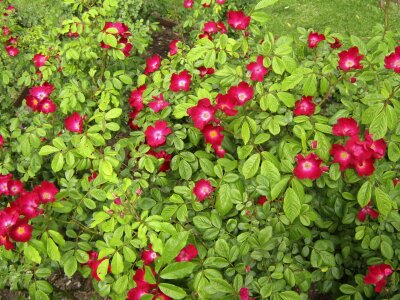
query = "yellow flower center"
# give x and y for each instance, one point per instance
(213, 133)
(349, 63)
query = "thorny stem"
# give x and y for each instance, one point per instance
(329, 92)
(104, 65)
(83, 227)
(2, 61)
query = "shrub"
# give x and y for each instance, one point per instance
(255, 166)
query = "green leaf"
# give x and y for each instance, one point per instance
(231, 177)
(32, 254)
(173, 246)
(269, 102)
(364, 194)
(111, 40)
(43, 272)
(291, 205)
(347, 289)
(392, 117)
(81, 256)
(356, 41)
(102, 269)
(59, 143)
(379, 125)
(245, 133)
(196, 53)
(393, 152)
(202, 222)
(46, 150)
(86, 148)
(71, 53)
(289, 295)
(129, 254)
(177, 270)
(264, 3)
(52, 250)
(113, 113)
(328, 259)
(44, 286)
(216, 262)
(185, 170)
(57, 237)
(121, 284)
(290, 277)
(117, 263)
(209, 59)
(180, 110)
(260, 16)
(99, 217)
(278, 66)
(105, 168)
(291, 81)
(261, 138)
(125, 79)
(58, 162)
(310, 85)
(149, 164)
(323, 145)
(251, 166)
(40, 295)
(98, 194)
(278, 188)
(172, 291)
(269, 170)
(149, 276)
(383, 202)
(221, 285)
(287, 99)
(387, 250)
(70, 266)
(207, 167)
(222, 248)
(224, 200)
(244, 151)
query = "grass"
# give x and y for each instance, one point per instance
(355, 16)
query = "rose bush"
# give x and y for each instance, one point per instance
(242, 166)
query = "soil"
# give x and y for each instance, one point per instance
(11, 295)
(162, 38)
(73, 288)
(64, 288)
(314, 294)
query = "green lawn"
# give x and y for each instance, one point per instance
(355, 16)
